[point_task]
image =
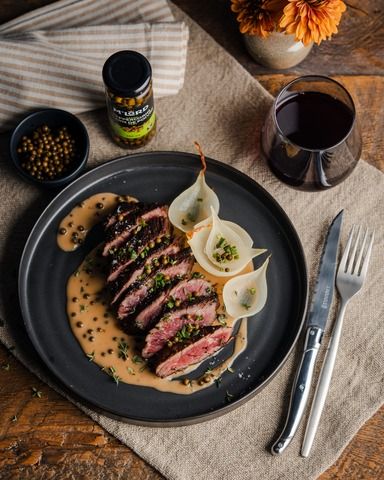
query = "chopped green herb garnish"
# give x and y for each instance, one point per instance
(252, 291)
(228, 396)
(159, 281)
(245, 305)
(123, 350)
(224, 252)
(91, 356)
(218, 381)
(222, 320)
(187, 331)
(171, 302)
(221, 242)
(197, 275)
(36, 393)
(83, 308)
(131, 371)
(112, 373)
(137, 359)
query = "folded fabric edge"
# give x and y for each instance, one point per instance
(75, 12)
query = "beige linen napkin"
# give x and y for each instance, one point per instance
(223, 107)
(52, 57)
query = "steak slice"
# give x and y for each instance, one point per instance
(123, 209)
(180, 355)
(137, 268)
(142, 292)
(181, 292)
(131, 224)
(202, 312)
(137, 245)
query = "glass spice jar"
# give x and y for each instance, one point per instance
(127, 78)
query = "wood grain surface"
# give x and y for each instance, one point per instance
(42, 435)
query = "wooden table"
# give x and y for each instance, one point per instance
(49, 437)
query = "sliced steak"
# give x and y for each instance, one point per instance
(138, 244)
(148, 289)
(137, 268)
(190, 351)
(123, 209)
(185, 290)
(202, 312)
(131, 224)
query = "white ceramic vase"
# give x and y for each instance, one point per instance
(278, 51)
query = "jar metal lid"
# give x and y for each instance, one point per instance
(127, 73)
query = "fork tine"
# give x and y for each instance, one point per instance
(351, 261)
(364, 268)
(358, 264)
(343, 262)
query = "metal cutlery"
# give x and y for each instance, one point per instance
(316, 320)
(350, 278)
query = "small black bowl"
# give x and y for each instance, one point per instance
(54, 119)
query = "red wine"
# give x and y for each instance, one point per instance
(314, 120)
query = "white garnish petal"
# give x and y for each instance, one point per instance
(193, 205)
(245, 295)
(205, 238)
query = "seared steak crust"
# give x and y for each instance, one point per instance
(122, 230)
(137, 268)
(156, 228)
(123, 209)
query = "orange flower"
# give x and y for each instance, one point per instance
(257, 17)
(312, 20)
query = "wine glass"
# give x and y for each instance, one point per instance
(311, 138)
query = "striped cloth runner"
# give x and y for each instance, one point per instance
(53, 56)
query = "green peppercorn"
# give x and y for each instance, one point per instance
(42, 153)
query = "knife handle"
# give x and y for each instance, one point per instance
(300, 389)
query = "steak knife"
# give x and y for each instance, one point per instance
(315, 325)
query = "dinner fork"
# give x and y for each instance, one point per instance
(349, 280)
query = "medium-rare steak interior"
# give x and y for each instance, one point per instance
(154, 293)
(188, 347)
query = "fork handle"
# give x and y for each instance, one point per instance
(323, 383)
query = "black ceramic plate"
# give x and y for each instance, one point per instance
(44, 271)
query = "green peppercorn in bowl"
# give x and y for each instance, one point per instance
(50, 147)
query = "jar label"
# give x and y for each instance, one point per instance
(134, 121)
(134, 132)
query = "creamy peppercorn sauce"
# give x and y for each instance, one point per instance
(95, 325)
(75, 226)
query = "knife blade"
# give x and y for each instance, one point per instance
(315, 324)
